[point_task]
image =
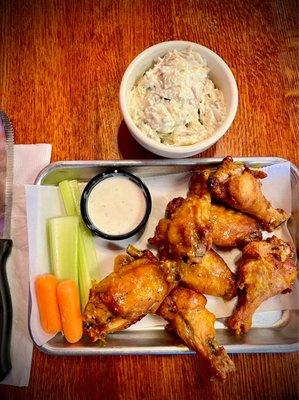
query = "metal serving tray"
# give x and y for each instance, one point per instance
(281, 336)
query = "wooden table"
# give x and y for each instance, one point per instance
(60, 71)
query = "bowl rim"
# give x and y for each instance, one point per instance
(97, 179)
(206, 143)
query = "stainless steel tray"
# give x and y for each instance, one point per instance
(281, 336)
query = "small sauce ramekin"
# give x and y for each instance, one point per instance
(115, 205)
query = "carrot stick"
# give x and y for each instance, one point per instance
(70, 311)
(45, 288)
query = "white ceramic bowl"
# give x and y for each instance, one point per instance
(220, 74)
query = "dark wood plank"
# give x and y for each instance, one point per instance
(157, 377)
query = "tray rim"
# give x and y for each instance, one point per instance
(159, 162)
(159, 350)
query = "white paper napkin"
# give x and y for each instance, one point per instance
(28, 161)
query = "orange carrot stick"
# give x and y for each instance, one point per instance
(45, 288)
(70, 311)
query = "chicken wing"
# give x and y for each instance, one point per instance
(239, 187)
(210, 276)
(122, 298)
(265, 269)
(185, 232)
(186, 314)
(231, 228)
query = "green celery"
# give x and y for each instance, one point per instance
(63, 247)
(88, 267)
(68, 191)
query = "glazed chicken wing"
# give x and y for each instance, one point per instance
(185, 232)
(231, 228)
(265, 269)
(239, 187)
(210, 276)
(186, 314)
(137, 288)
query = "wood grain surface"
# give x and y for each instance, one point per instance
(60, 71)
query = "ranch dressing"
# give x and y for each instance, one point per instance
(116, 205)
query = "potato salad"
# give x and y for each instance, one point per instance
(175, 102)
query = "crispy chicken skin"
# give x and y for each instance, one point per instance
(239, 187)
(231, 228)
(185, 232)
(186, 314)
(122, 298)
(210, 276)
(189, 232)
(265, 269)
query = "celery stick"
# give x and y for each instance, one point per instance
(84, 275)
(63, 247)
(71, 197)
(68, 198)
(88, 268)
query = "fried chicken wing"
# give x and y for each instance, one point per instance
(160, 240)
(239, 187)
(210, 276)
(137, 288)
(265, 269)
(189, 232)
(231, 228)
(186, 314)
(185, 232)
